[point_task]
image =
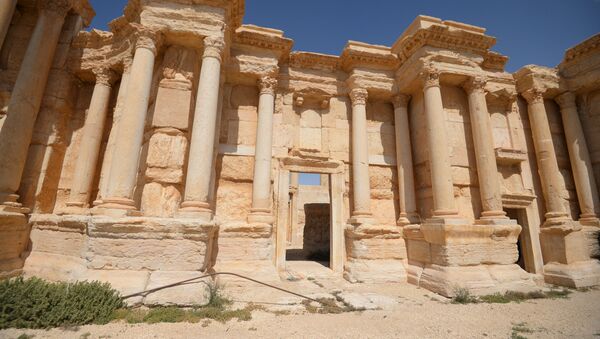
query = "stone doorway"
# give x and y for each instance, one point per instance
(524, 242)
(309, 221)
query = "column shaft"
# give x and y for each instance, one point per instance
(261, 185)
(26, 99)
(439, 158)
(200, 163)
(487, 169)
(360, 154)
(581, 163)
(124, 167)
(7, 9)
(546, 157)
(91, 141)
(406, 180)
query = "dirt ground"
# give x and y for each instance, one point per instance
(400, 311)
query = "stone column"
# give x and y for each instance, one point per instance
(406, 180)
(360, 157)
(89, 148)
(261, 185)
(437, 139)
(124, 167)
(110, 145)
(581, 164)
(200, 164)
(487, 169)
(544, 151)
(26, 97)
(7, 9)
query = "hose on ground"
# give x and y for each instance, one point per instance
(193, 280)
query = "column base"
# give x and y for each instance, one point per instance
(195, 210)
(563, 242)
(361, 217)
(261, 216)
(14, 240)
(74, 209)
(406, 219)
(589, 220)
(115, 207)
(575, 275)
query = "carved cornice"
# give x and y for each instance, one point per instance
(56, 7)
(318, 61)
(582, 48)
(359, 96)
(475, 84)
(401, 100)
(494, 61)
(105, 76)
(267, 84)
(534, 95)
(566, 100)
(264, 38)
(358, 54)
(213, 48)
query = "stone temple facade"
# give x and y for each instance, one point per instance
(172, 145)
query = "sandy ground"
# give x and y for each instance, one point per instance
(405, 311)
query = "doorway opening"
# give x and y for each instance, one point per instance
(518, 214)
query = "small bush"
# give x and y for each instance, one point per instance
(463, 296)
(35, 303)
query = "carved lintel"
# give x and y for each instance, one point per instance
(534, 95)
(359, 96)
(56, 7)
(267, 84)
(401, 100)
(105, 76)
(475, 84)
(213, 48)
(566, 100)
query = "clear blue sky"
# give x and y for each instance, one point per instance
(527, 31)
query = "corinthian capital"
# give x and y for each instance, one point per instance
(105, 76)
(566, 100)
(57, 7)
(475, 84)
(267, 84)
(401, 100)
(430, 77)
(359, 96)
(534, 95)
(148, 39)
(213, 47)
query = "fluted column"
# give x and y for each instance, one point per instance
(200, 164)
(261, 185)
(26, 97)
(437, 139)
(89, 149)
(7, 9)
(487, 169)
(544, 150)
(124, 167)
(111, 144)
(581, 164)
(360, 156)
(406, 179)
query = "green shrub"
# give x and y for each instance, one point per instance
(463, 296)
(35, 303)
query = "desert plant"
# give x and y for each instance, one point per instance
(35, 303)
(463, 296)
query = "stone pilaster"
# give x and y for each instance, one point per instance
(26, 97)
(360, 158)
(7, 9)
(91, 141)
(201, 157)
(124, 167)
(261, 184)
(406, 180)
(581, 164)
(487, 170)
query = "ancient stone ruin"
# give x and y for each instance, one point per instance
(172, 145)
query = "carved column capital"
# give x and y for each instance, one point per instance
(430, 77)
(213, 48)
(105, 76)
(267, 84)
(401, 100)
(475, 84)
(56, 7)
(359, 96)
(566, 100)
(148, 39)
(127, 62)
(534, 95)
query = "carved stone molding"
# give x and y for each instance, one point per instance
(105, 76)
(56, 7)
(475, 84)
(127, 62)
(359, 96)
(430, 77)
(267, 84)
(534, 95)
(401, 100)
(566, 100)
(214, 47)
